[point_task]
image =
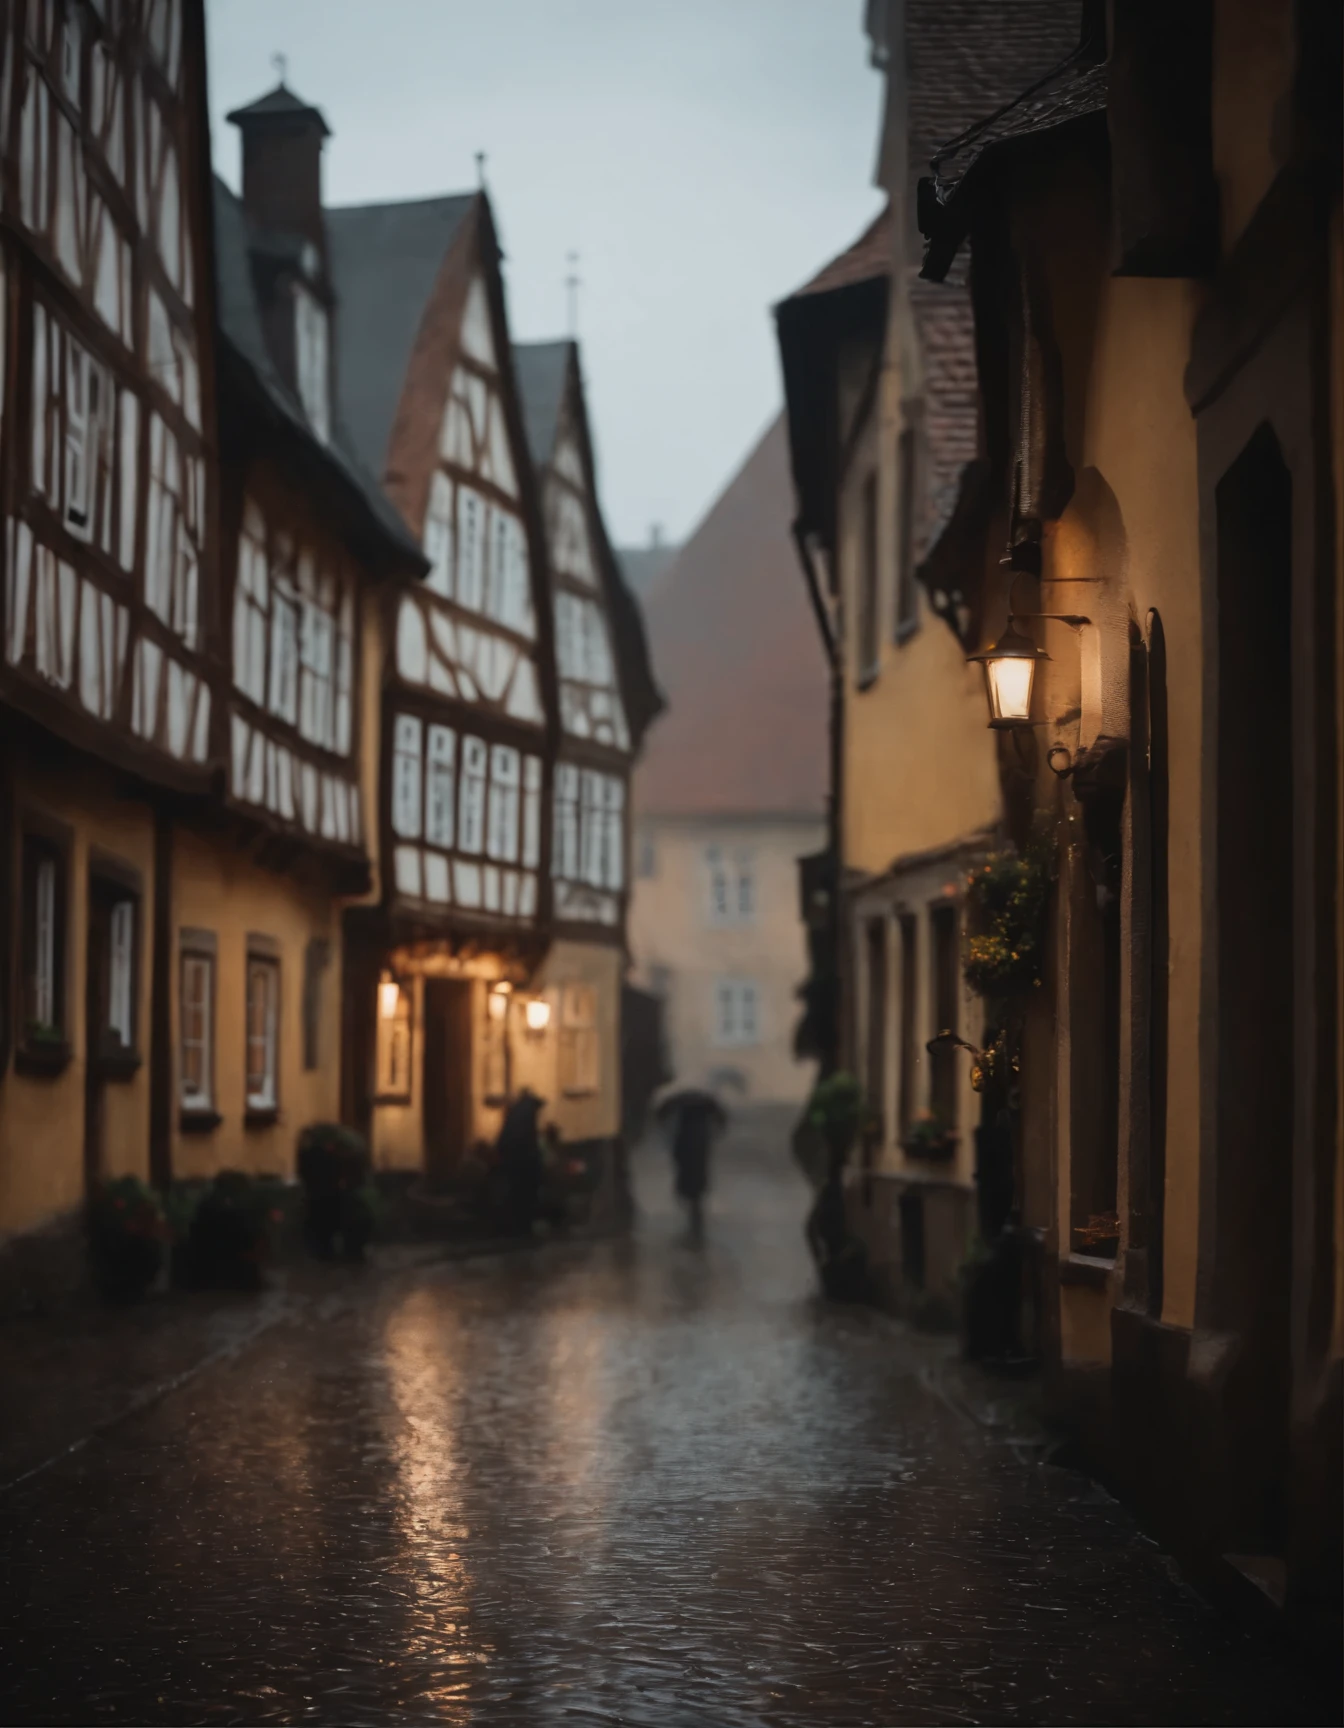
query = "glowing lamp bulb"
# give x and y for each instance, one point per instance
(389, 995)
(538, 1015)
(1010, 672)
(499, 1004)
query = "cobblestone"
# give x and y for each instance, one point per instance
(637, 1481)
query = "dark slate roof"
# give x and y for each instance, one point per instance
(735, 648)
(867, 258)
(240, 323)
(540, 369)
(278, 104)
(1073, 91)
(384, 260)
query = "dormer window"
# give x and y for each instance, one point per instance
(311, 364)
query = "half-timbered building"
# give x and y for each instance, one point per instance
(308, 544)
(606, 699)
(110, 604)
(450, 943)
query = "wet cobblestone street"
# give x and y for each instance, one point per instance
(640, 1481)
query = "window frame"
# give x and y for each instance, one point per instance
(731, 1014)
(43, 1047)
(119, 885)
(263, 959)
(198, 1110)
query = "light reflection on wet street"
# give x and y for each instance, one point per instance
(633, 1482)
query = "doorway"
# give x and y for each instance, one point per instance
(1252, 1200)
(446, 1049)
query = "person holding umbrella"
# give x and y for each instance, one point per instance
(696, 1117)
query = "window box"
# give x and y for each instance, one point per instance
(43, 1053)
(929, 1141)
(261, 1116)
(203, 1121)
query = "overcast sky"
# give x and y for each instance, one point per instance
(703, 158)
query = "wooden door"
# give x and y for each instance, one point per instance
(446, 1076)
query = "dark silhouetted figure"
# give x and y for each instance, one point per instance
(519, 1164)
(841, 1258)
(696, 1118)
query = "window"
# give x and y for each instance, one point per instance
(471, 812)
(394, 1050)
(907, 604)
(406, 746)
(438, 535)
(943, 1073)
(502, 827)
(579, 1056)
(867, 610)
(566, 855)
(44, 923)
(196, 1074)
(73, 432)
(121, 973)
(251, 604)
(732, 886)
(88, 438)
(736, 1012)
(283, 699)
(263, 1028)
(175, 521)
(440, 797)
(310, 360)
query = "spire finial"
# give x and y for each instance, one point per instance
(480, 169)
(572, 286)
(281, 64)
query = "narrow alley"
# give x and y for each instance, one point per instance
(637, 1481)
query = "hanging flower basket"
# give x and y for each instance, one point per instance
(1005, 903)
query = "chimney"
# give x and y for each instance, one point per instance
(282, 165)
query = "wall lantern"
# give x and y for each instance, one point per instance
(389, 996)
(538, 1014)
(1010, 668)
(1010, 672)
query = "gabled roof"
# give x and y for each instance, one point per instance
(384, 260)
(867, 258)
(541, 369)
(240, 323)
(735, 649)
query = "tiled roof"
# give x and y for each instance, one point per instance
(735, 649)
(1072, 92)
(384, 261)
(966, 58)
(540, 369)
(240, 322)
(867, 258)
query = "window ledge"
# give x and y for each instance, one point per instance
(120, 1064)
(43, 1059)
(867, 678)
(907, 628)
(392, 1098)
(198, 1121)
(261, 1115)
(579, 1092)
(931, 1152)
(1090, 1270)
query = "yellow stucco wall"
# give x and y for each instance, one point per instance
(920, 768)
(1139, 435)
(678, 950)
(536, 1056)
(217, 888)
(42, 1119)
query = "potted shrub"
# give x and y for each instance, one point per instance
(127, 1231)
(929, 1138)
(339, 1199)
(227, 1238)
(1005, 904)
(1099, 1236)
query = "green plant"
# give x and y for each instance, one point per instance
(228, 1235)
(1005, 901)
(927, 1137)
(127, 1231)
(836, 1110)
(42, 1032)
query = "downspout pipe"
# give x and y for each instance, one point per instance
(831, 646)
